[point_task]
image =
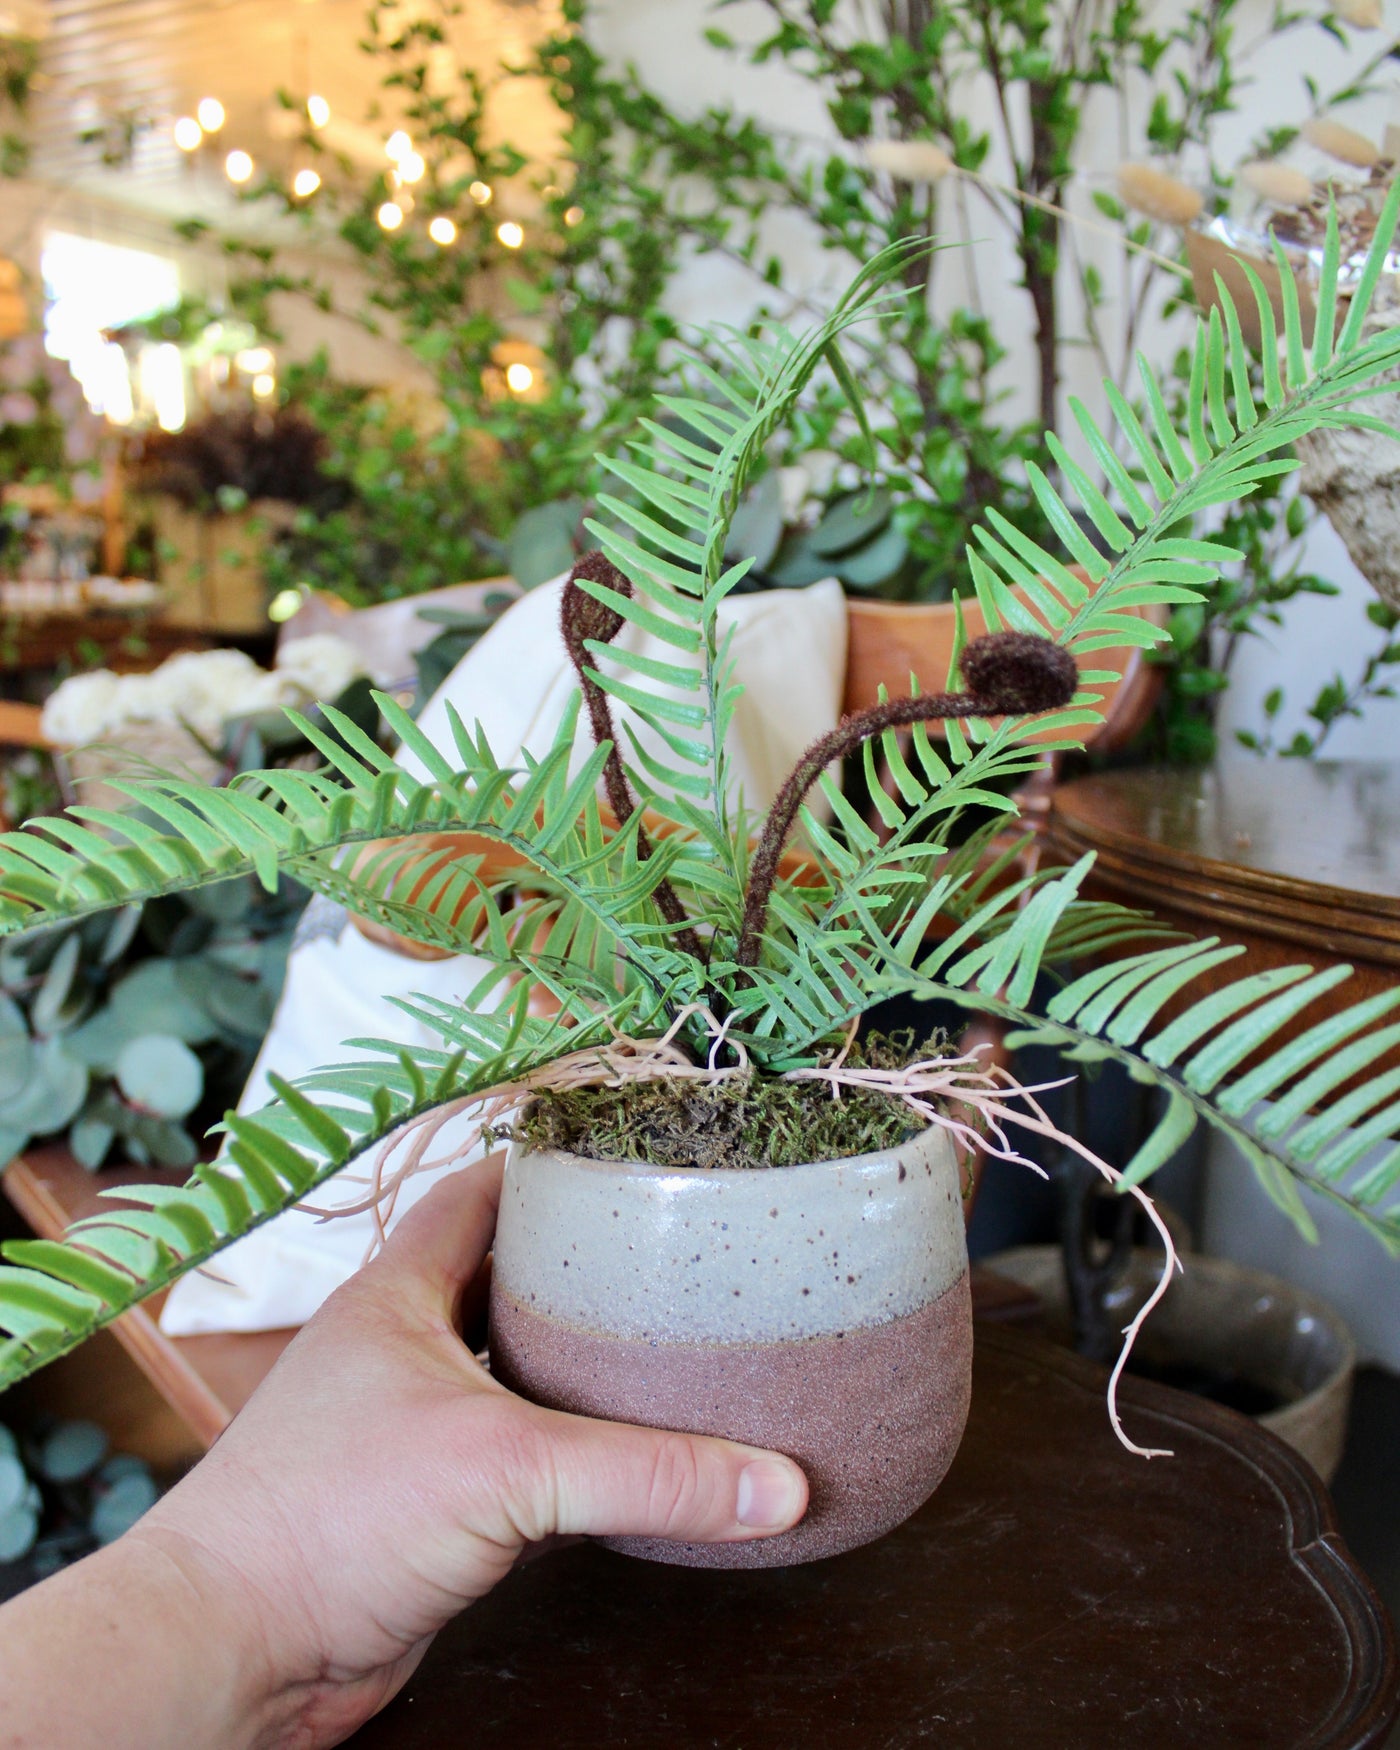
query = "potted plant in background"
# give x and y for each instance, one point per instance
(693, 965)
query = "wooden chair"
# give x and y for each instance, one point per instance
(207, 1379)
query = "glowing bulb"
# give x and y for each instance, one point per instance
(255, 360)
(318, 111)
(481, 193)
(283, 605)
(238, 166)
(442, 230)
(211, 114)
(398, 146)
(189, 136)
(519, 378)
(510, 234)
(264, 384)
(411, 167)
(573, 215)
(305, 183)
(390, 215)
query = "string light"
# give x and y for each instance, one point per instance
(573, 215)
(189, 136)
(519, 378)
(411, 167)
(442, 230)
(211, 114)
(510, 234)
(481, 193)
(390, 216)
(305, 183)
(238, 166)
(256, 361)
(318, 111)
(264, 384)
(397, 146)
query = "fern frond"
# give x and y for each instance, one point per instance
(53, 1296)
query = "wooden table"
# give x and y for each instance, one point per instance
(1055, 1594)
(1296, 859)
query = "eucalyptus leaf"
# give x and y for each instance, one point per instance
(70, 1451)
(118, 1508)
(12, 1021)
(47, 1007)
(876, 562)
(18, 1529)
(850, 522)
(797, 564)
(14, 1481)
(153, 999)
(98, 1042)
(757, 527)
(160, 1074)
(120, 936)
(16, 1065)
(90, 1139)
(541, 544)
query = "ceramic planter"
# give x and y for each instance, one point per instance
(819, 1310)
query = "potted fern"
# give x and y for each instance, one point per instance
(705, 977)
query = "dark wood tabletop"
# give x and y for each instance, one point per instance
(1055, 1594)
(1291, 854)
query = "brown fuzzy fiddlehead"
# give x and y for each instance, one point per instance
(1008, 674)
(581, 618)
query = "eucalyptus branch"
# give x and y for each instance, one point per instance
(1009, 674)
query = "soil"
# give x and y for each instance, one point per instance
(751, 1121)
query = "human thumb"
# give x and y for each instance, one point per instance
(611, 1479)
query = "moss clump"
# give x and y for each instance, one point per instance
(742, 1122)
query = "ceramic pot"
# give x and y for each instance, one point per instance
(1221, 1322)
(822, 1311)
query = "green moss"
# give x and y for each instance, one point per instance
(744, 1122)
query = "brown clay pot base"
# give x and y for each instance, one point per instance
(873, 1415)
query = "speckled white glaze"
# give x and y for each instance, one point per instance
(731, 1255)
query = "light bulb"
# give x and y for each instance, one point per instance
(211, 114)
(255, 360)
(442, 230)
(411, 167)
(305, 183)
(283, 605)
(519, 378)
(264, 384)
(573, 215)
(397, 146)
(390, 215)
(238, 166)
(510, 234)
(189, 136)
(318, 111)
(481, 193)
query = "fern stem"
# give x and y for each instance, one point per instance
(582, 618)
(1008, 674)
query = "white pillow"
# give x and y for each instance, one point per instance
(789, 652)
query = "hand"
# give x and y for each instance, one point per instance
(379, 1481)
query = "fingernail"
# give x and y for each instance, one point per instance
(770, 1494)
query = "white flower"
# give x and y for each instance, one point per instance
(909, 160)
(321, 666)
(203, 688)
(83, 708)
